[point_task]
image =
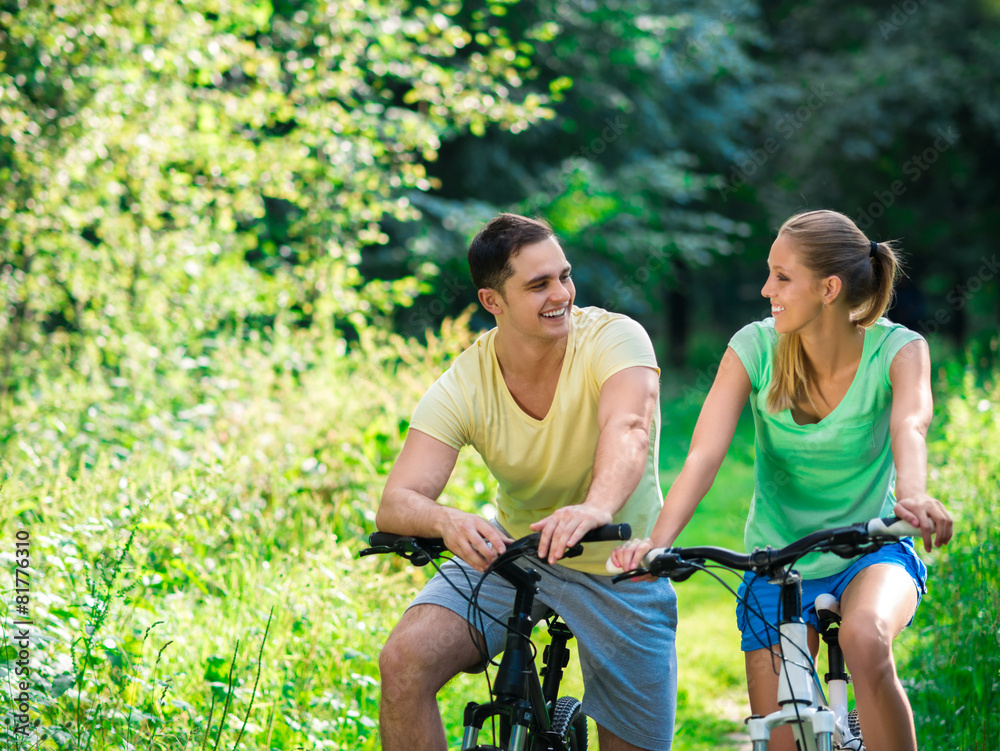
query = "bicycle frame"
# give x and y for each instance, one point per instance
(516, 676)
(531, 711)
(797, 694)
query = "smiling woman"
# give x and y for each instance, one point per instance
(822, 262)
(841, 403)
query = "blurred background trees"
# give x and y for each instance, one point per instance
(172, 170)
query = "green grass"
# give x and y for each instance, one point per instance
(194, 573)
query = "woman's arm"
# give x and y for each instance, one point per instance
(709, 443)
(912, 409)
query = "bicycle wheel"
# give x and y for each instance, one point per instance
(570, 724)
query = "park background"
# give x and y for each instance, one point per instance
(233, 238)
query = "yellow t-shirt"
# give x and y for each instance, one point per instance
(542, 465)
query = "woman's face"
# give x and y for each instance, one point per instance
(795, 293)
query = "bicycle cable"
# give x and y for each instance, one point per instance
(757, 609)
(474, 607)
(470, 616)
(471, 612)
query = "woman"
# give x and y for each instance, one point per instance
(841, 401)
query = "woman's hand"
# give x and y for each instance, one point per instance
(629, 556)
(930, 515)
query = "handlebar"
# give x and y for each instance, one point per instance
(421, 550)
(679, 563)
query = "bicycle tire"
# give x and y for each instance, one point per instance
(570, 724)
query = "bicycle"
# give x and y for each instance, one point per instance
(816, 725)
(532, 715)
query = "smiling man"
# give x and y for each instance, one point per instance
(562, 403)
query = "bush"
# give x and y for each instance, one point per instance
(953, 670)
(193, 572)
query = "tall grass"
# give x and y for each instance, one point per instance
(195, 524)
(952, 668)
(166, 528)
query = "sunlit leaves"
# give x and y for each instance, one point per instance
(175, 169)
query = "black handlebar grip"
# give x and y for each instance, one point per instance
(383, 539)
(608, 533)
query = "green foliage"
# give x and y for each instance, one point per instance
(953, 671)
(155, 566)
(624, 172)
(173, 172)
(887, 111)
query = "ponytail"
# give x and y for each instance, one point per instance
(886, 269)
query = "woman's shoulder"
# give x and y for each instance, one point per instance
(760, 333)
(886, 333)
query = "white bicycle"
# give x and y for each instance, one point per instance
(818, 725)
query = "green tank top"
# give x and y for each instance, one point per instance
(835, 472)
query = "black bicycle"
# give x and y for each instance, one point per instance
(525, 701)
(817, 725)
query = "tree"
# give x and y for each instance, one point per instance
(900, 134)
(648, 97)
(174, 171)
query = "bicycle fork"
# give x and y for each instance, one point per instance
(811, 723)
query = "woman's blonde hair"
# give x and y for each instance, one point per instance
(830, 244)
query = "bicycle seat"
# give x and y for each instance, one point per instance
(827, 611)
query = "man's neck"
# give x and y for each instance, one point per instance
(529, 359)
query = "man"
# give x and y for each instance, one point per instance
(563, 405)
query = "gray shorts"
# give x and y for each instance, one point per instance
(624, 636)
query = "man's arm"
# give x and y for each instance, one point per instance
(712, 436)
(912, 409)
(409, 503)
(625, 413)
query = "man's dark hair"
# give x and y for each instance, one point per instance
(501, 238)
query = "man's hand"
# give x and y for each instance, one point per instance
(930, 515)
(564, 528)
(473, 539)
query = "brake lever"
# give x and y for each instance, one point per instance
(416, 557)
(682, 573)
(626, 575)
(673, 567)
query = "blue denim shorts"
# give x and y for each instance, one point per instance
(761, 633)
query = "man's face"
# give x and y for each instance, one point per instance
(537, 300)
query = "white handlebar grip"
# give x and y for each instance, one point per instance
(894, 528)
(611, 568)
